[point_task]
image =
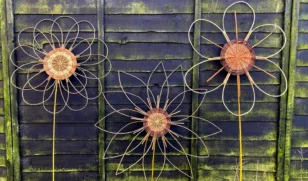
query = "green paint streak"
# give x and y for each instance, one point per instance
(6, 89)
(149, 7)
(88, 168)
(302, 47)
(45, 6)
(301, 76)
(101, 102)
(301, 140)
(10, 100)
(262, 112)
(215, 175)
(2, 126)
(301, 91)
(135, 55)
(267, 149)
(275, 40)
(301, 63)
(270, 136)
(39, 176)
(214, 67)
(2, 161)
(268, 6)
(140, 177)
(290, 103)
(265, 164)
(45, 28)
(2, 146)
(41, 6)
(147, 166)
(297, 175)
(283, 100)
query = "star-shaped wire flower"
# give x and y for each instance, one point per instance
(237, 56)
(155, 115)
(59, 61)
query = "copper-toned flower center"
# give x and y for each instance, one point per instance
(157, 123)
(60, 64)
(237, 57)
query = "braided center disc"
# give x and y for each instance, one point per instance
(237, 57)
(60, 64)
(157, 123)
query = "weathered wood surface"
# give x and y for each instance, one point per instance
(298, 156)
(76, 136)
(3, 156)
(139, 35)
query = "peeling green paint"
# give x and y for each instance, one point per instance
(267, 6)
(292, 78)
(264, 150)
(269, 114)
(138, 8)
(301, 77)
(136, 177)
(60, 7)
(215, 175)
(301, 92)
(148, 7)
(147, 167)
(86, 167)
(265, 165)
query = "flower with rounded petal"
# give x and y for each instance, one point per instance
(155, 117)
(238, 56)
(58, 57)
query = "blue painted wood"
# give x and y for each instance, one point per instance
(140, 35)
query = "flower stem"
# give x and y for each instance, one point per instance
(153, 156)
(54, 131)
(240, 125)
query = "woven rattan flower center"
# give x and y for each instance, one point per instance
(157, 123)
(237, 57)
(60, 64)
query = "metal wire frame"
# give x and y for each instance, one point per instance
(36, 52)
(163, 100)
(259, 58)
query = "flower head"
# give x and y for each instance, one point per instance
(58, 60)
(238, 55)
(155, 118)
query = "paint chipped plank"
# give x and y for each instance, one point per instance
(54, 7)
(149, 7)
(64, 132)
(41, 148)
(230, 174)
(82, 176)
(265, 6)
(64, 163)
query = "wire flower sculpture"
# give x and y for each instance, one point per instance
(157, 122)
(238, 57)
(57, 61)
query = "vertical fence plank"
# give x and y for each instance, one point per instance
(10, 103)
(292, 71)
(13, 93)
(283, 101)
(286, 102)
(101, 103)
(6, 93)
(195, 81)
